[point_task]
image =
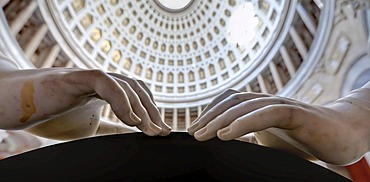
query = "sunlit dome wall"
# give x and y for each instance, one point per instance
(186, 53)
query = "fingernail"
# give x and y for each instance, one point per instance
(165, 126)
(165, 132)
(151, 130)
(200, 132)
(135, 118)
(223, 132)
(156, 129)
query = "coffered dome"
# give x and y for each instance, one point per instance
(187, 51)
(182, 51)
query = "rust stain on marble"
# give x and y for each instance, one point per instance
(28, 107)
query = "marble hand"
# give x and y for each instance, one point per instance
(35, 97)
(148, 110)
(337, 134)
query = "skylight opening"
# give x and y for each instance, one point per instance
(174, 5)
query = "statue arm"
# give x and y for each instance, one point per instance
(34, 97)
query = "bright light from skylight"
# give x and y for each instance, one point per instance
(242, 25)
(174, 4)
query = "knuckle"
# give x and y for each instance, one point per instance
(273, 108)
(263, 95)
(124, 84)
(273, 100)
(143, 85)
(141, 82)
(229, 91)
(97, 73)
(235, 96)
(248, 96)
(293, 109)
(244, 104)
(283, 100)
(288, 109)
(126, 112)
(130, 80)
(212, 111)
(238, 121)
(290, 112)
(135, 83)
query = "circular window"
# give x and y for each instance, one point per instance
(174, 6)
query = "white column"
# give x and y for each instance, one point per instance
(163, 113)
(302, 49)
(319, 3)
(31, 47)
(276, 76)
(262, 83)
(307, 19)
(287, 60)
(187, 118)
(22, 18)
(248, 88)
(174, 119)
(199, 110)
(51, 57)
(69, 64)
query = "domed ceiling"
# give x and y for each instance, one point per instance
(188, 51)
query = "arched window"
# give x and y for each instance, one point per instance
(201, 73)
(211, 69)
(127, 64)
(138, 69)
(170, 78)
(191, 76)
(149, 73)
(181, 78)
(160, 76)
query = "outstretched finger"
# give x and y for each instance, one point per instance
(280, 116)
(210, 130)
(145, 87)
(195, 124)
(231, 114)
(146, 125)
(216, 100)
(148, 103)
(155, 115)
(221, 107)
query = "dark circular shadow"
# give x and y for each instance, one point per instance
(177, 157)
